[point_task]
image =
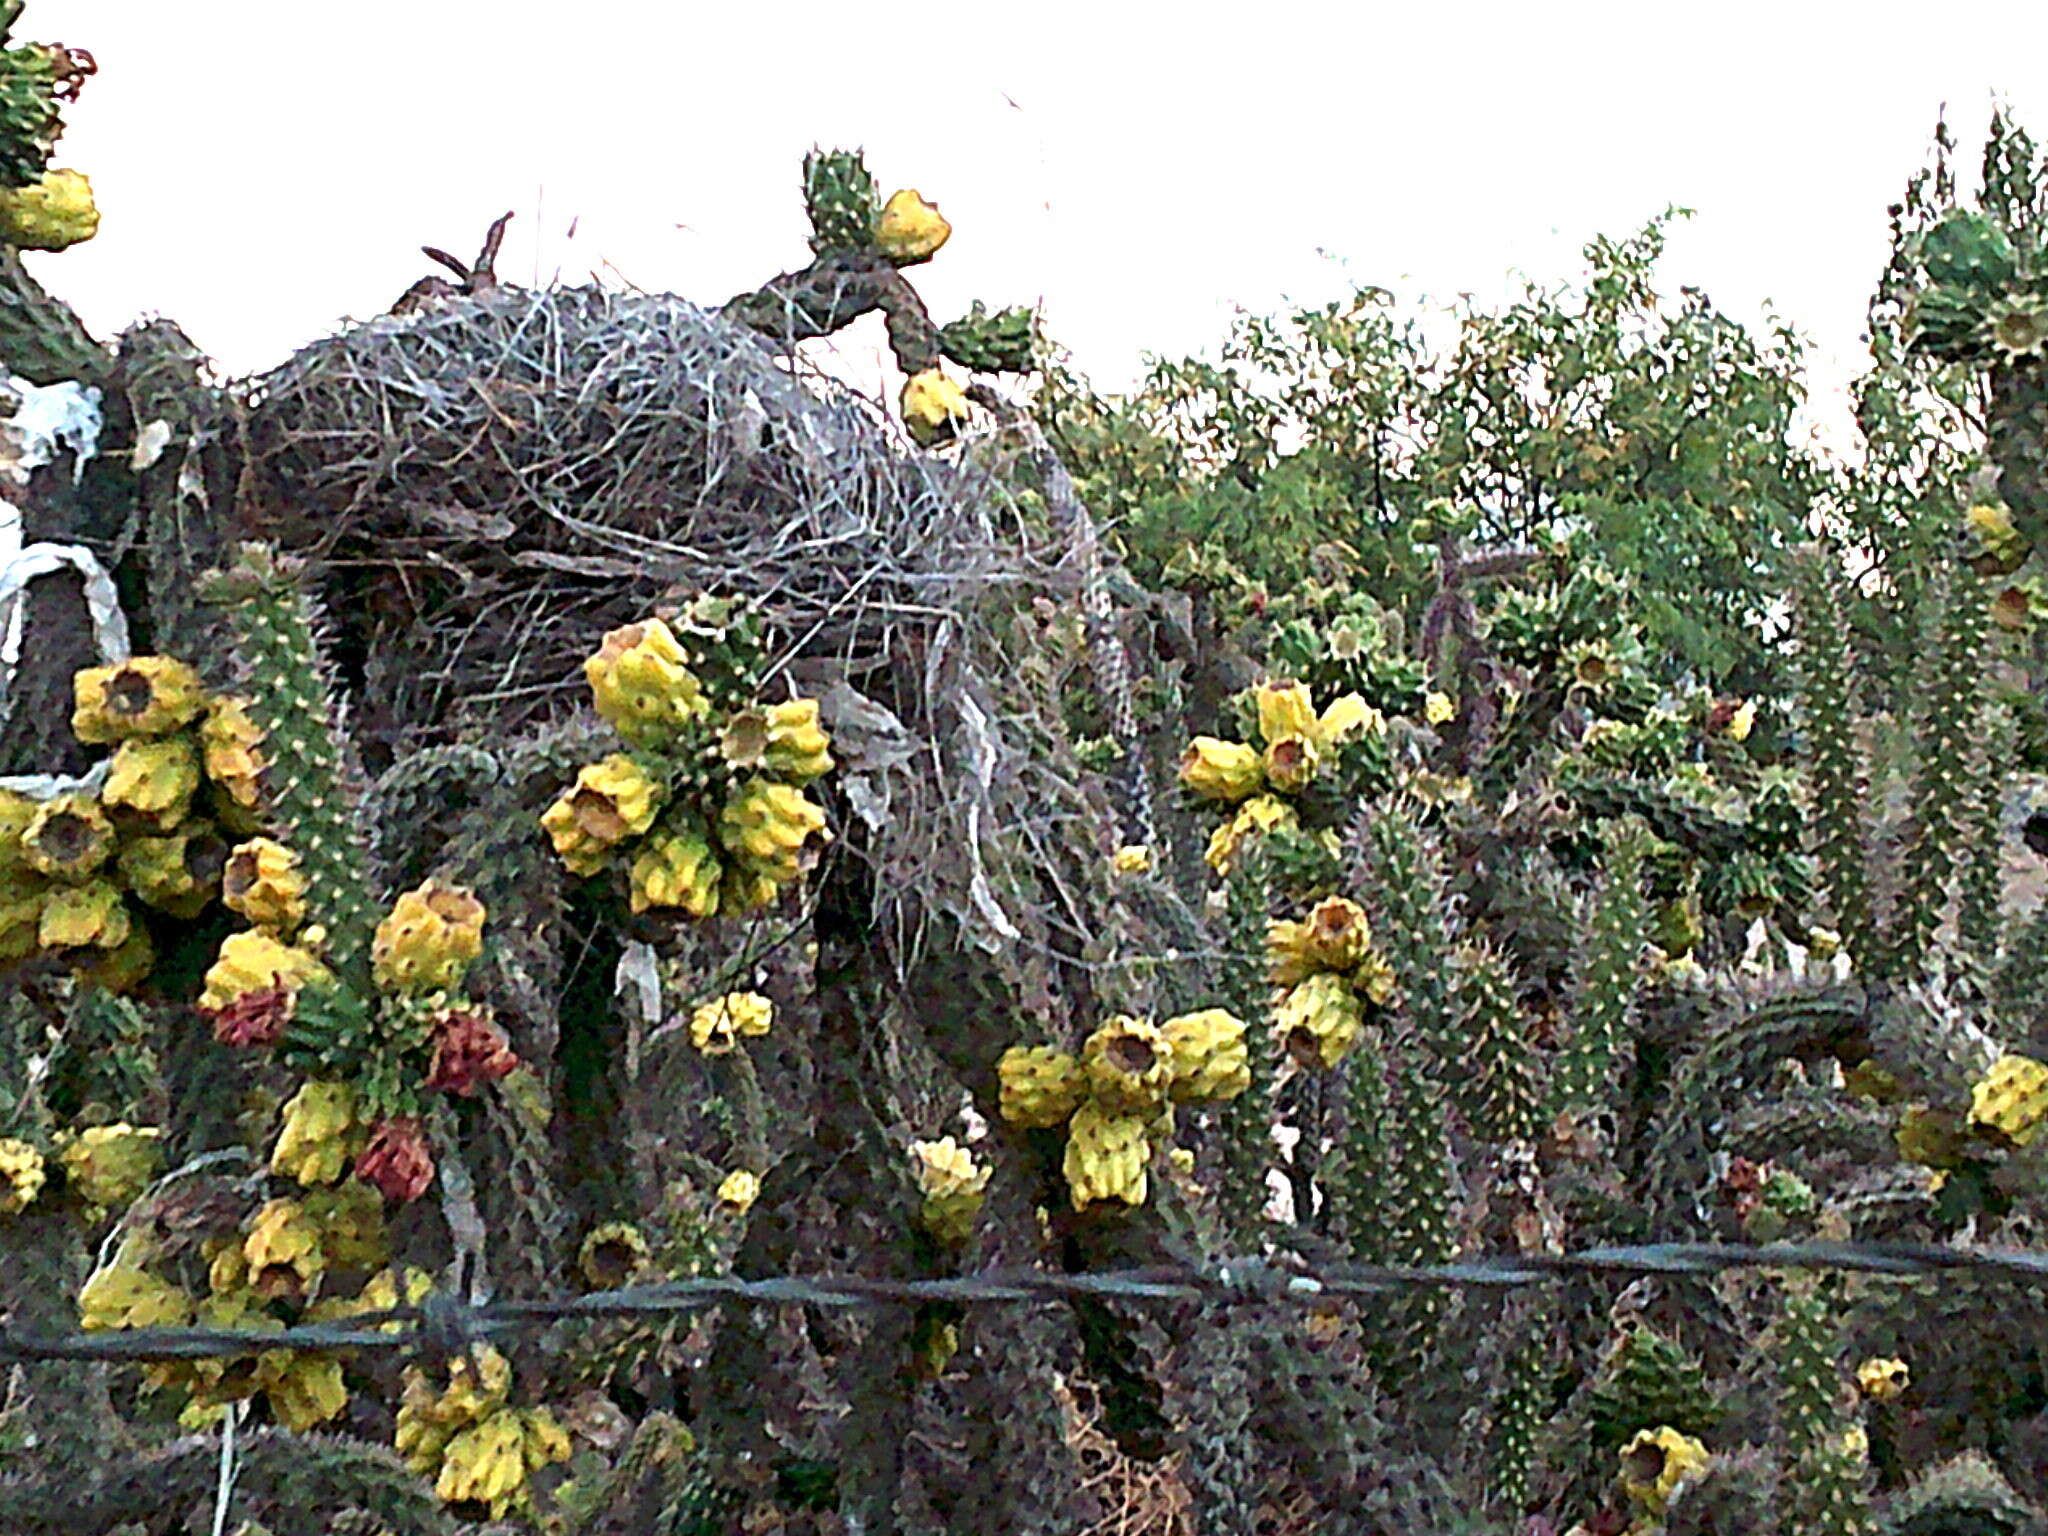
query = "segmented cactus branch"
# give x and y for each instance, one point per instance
(1949, 764)
(309, 782)
(1835, 766)
(1603, 999)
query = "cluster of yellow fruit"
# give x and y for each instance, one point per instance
(726, 840)
(293, 1252)
(466, 1436)
(952, 1185)
(185, 768)
(716, 1026)
(1117, 1098)
(1255, 782)
(419, 958)
(1327, 971)
(2008, 1106)
(52, 213)
(105, 1167)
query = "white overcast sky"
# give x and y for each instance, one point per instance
(268, 167)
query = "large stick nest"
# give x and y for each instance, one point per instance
(492, 483)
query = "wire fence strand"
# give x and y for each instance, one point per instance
(444, 1325)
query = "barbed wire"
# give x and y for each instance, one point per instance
(445, 1326)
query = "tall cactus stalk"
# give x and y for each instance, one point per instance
(308, 782)
(1948, 767)
(1605, 993)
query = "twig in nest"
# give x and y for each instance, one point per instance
(479, 276)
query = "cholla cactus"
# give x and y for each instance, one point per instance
(1825, 1490)
(1503, 1093)
(842, 199)
(37, 80)
(709, 808)
(1949, 763)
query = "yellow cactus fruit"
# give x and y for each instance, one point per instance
(743, 890)
(486, 1464)
(1373, 979)
(383, 1290)
(933, 406)
(676, 869)
(772, 828)
(1209, 1056)
(1656, 1463)
(1039, 1086)
(1106, 1158)
(420, 1440)
(302, 1389)
(952, 1184)
(21, 916)
(1992, 522)
(716, 1026)
(1129, 1065)
(1133, 859)
(738, 1191)
(283, 1251)
(262, 882)
(428, 939)
(1345, 718)
(255, 961)
(642, 684)
(1215, 769)
(52, 213)
(319, 1134)
(109, 1165)
(1930, 1137)
(89, 916)
(477, 1387)
(1258, 815)
(151, 781)
(1319, 1020)
(68, 838)
(784, 741)
(1882, 1379)
(143, 696)
(230, 749)
(1286, 709)
(910, 229)
(1335, 936)
(1439, 709)
(546, 1440)
(1291, 763)
(125, 1295)
(350, 1216)
(16, 812)
(178, 872)
(122, 969)
(612, 1255)
(22, 1175)
(612, 801)
(2011, 1099)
